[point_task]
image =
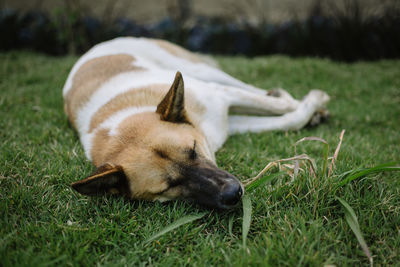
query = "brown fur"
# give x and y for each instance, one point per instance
(150, 135)
(136, 97)
(91, 75)
(99, 148)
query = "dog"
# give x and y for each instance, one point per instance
(151, 115)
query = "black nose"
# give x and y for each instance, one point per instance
(231, 194)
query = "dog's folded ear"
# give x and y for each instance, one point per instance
(172, 107)
(107, 178)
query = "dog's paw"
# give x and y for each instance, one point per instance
(318, 97)
(320, 116)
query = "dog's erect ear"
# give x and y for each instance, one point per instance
(106, 179)
(172, 107)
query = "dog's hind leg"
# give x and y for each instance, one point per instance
(294, 120)
(214, 75)
(245, 102)
(209, 74)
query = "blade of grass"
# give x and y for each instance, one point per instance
(6, 239)
(393, 166)
(174, 225)
(352, 221)
(230, 225)
(246, 217)
(261, 181)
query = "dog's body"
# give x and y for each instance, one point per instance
(146, 137)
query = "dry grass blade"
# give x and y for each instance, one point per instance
(174, 225)
(291, 169)
(336, 153)
(352, 221)
(305, 157)
(326, 149)
(246, 217)
(260, 174)
(310, 138)
(296, 169)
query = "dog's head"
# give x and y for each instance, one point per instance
(162, 156)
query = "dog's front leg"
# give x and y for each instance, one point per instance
(294, 120)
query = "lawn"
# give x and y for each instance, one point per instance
(44, 222)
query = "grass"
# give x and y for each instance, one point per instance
(300, 222)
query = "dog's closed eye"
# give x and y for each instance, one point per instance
(161, 153)
(192, 152)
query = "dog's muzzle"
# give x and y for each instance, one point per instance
(212, 187)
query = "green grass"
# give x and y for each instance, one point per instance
(44, 222)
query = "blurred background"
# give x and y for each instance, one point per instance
(346, 30)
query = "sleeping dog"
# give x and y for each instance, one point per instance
(151, 115)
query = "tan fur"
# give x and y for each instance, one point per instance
(99, 149)
(147, 134)
(136, 97)
(104, 150)
(91, 75)
(178, 51)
